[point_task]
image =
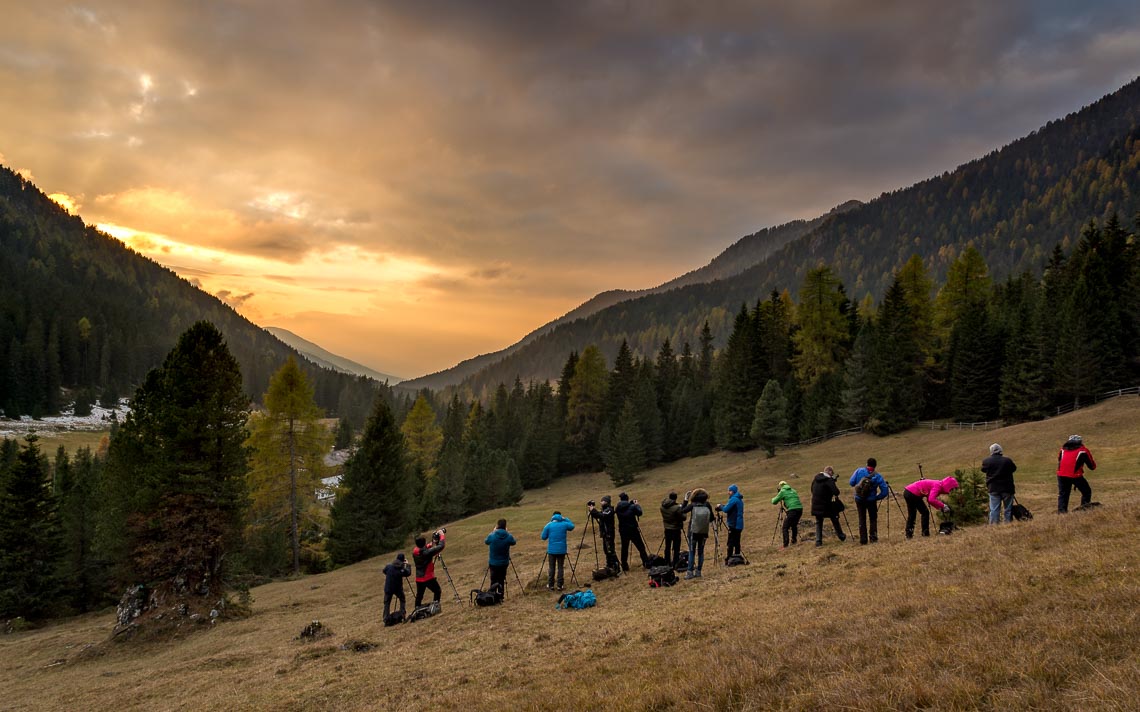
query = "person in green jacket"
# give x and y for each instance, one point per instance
(794, 509)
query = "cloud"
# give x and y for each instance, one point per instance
(237, 301)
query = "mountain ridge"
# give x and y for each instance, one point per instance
(326, 359)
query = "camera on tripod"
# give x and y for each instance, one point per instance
(590, 503)
(438, 533)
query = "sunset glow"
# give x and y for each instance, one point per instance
(412, 184)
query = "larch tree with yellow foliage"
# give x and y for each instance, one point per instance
(288, 444)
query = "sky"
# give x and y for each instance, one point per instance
(409, 184)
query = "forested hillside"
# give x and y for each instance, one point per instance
(1014, 206)
(81, 311)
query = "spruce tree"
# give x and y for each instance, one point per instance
(736, 385)
(373, 511)
(626, 454)
(586, 406)
(83, 574)
(822, 338)
(343, 439)
(30, 538)
(770, 422)
(649, 417)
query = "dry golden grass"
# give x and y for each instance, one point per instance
(1038, 615)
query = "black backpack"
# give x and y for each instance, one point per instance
(662, 576)
(682, 561)
(393, 618)
(425, 611)
(653, 561)
(491, 597)
(735, 560)
(1020, 512)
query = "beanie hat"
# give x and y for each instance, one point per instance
(606, 499)
(673, 496)
(401, 557)
(421, 542)
(995, 449)
(733, 489)
(623, 496)
(1075, 439)
(782, 484)
(949, 484)
(872, 462)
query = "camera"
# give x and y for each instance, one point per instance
(720, 507)
(590, 503)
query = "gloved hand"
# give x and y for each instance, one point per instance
(946, 509)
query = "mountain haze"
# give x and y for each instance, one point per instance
(1013, 205)
(327, 359)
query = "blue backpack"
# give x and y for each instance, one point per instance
(577, 599)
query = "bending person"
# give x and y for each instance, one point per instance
(794, 509)
(918, 494)
(1071, 463)
(824, 494)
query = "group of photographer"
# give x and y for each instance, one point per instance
(869, 488)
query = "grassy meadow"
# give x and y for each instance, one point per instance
(1036, 615)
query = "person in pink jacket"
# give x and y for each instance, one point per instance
(918, 494)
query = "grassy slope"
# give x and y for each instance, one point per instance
(1040, 615)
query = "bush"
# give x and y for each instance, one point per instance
(969, 504)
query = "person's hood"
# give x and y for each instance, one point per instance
(783, 484)
(501, 533)
(820, 476)
(734, 489)
(700, 495)
(949, 484)
(557, 518)
(669, 503)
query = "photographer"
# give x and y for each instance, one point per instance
(606, 530)
(870, 487)
(697, 502)
(999, 471)
(733, 511)
(499, 543)
(424, 556)
(794, 508)
(628, 512)
(674, 522)
(554, 533)
(918, 494)
(394, 575)
(824, 497)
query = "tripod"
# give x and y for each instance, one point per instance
(779, 518)
(581, 544)
(538, 578)
(521, 587)
(716, 536)
(895, 497)
(448, 574)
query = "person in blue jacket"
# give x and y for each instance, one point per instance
(870, 487)
(554, 534)
(733, 511)
(499, 543)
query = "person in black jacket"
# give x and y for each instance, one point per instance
(999, 471)
(607, 531)
(674, 521)
(824, 493)
(394, 575)
(424, 556)
(628, 513)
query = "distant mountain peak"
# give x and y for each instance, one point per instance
(327, 359)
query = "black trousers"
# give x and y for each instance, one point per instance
(634, 538)
(399, 595)
(792, 524)
(672, 545)
(834, 525)
(429, 585)
(610, 549)
(733, 541)
(498, 575)
(556, 561)
(868, 520)
(1065, 487)
(915, 505)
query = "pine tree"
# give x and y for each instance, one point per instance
(423, 439)
(288, 444)
(626, 454)
(649, 419)
(895, 397)
(586, 406)
(82, 572)
(975, 378)
(770, 422)
(736, 385)
(623, 378)
(344, 434)
(373, 511)
(30, 538)
(176, 470)
(822, 338)
(854, 408)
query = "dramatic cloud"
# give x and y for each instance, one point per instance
(444, 176)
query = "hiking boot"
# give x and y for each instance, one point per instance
(818, 543)
(690, 575)
(697, 574)
(559, 587)
(549, 587)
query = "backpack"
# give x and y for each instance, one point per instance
(653, 561)
(735, 560)
(393, 618)
(662, 576)
(605, 572)
(699, 521)
(837, 506)
(425, 611)
(946, 528)
(577, 599)
(1020, 512)
(682, 561)
(865, 488)
(491, 597)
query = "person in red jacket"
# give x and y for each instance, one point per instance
(1071, 463)
(424, 556)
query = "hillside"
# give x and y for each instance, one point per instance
(1014, 205)
(327, 359)
(736, 258)
(1037, 615)
(80, 310)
